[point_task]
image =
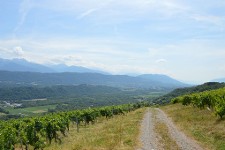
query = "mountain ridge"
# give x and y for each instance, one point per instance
(22, 72)
(71, 78)
(26, 66)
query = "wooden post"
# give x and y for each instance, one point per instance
(77, 121)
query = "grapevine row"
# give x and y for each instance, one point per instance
(38, 132)
(214, 100)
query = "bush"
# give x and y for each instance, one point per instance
(186, 100)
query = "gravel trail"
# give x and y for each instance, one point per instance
(149, 137)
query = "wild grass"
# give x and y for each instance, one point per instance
(162, 134)
(120, 133)
(164, 137)
(202, 125)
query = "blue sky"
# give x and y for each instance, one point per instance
(184, 39)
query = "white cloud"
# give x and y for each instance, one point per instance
(87, 13)
(116, 57)
(4, 50)
(211, 19)
(9, 51)
(115, 35)
(25, 7)
(115, 11)
(18, 51)
(161, 61)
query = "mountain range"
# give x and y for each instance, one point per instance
(26, 66)
(21, 72)
(72, 78)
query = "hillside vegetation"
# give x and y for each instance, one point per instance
(214, 100)
(34, 100)
(196, 114)
(165, 99)
(160, 82)
(39, 132)
(35, 92)
(120, 133)
(200, 124)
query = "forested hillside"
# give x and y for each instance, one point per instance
(35, 92)
(33, 100)
(122, 81)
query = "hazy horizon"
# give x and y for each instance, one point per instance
(182, 39)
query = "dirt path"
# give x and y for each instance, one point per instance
(149, 137)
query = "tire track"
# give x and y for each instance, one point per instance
(149, 137)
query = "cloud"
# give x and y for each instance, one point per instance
(115, 11)
(87, 13)
(153, 51)
(161, 61)
(211, 19)
(4, 50)
(25, 7)
(18, 51)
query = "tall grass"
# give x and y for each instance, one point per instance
(202, 125)
(120, 132)
(164, 137)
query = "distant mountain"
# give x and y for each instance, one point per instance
(79, 69)
(66, 78)
(22, 65)
(163, 79)
(26, 66)
(219, 80)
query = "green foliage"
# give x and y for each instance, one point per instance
(188, 90)
(186, 100)
(175, 100)
(214, 100)
(68, 97)
(37, 92)
(3, 110)
(40, 131)
(220, 107)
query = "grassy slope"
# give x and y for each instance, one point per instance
(120, 132)
(202, 125)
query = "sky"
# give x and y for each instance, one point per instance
(184, 39)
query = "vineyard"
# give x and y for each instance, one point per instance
(38, 132)
(214, 100)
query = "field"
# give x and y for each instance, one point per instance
(202, 125)
(1, 114)
(30, 110)
(119, 132)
